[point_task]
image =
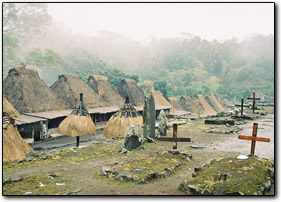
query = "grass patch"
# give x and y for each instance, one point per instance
(32, 184)
(242, 176)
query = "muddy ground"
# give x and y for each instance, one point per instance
(81, 173)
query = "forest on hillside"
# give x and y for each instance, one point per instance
(185, 65)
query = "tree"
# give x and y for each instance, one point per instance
(23, 19)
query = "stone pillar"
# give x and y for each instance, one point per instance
(163, 123)
(149, 113)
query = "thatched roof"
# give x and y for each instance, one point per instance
(103, 88)
(128, 87)
(14, 147)
(159, 99)
(28, 93)
(213, 100)
(174, 102)
(202, 106)
(10, 110)
(121, 121)
(79, 122)
(186, 103)
(68, 87)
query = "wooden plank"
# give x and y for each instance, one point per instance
(170, 139)
(254, 138)
(220, 122)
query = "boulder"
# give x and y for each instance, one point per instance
(134, 137)
(163, 123)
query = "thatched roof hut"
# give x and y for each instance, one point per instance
(103, 88)
(78, 123)
(186, 103)
(121, 121)
(160, 100)
(202, 106)
(68, 87)
(28, 93)
(128, 87)
(14, 147)
(174, 102)
(213, 100)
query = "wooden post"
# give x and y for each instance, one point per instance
(242, 103)
(254, 101)
(175, 128)
(77, 141)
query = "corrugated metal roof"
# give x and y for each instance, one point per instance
(28, 119)
(50, 114)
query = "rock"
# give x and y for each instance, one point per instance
(187, 159)
(205, 165)
(163, 123)
(124, 177)
(149, 112)
(60, 184)
(104, 171)
(123, 150)
(174, 151)
(142, 181)
(16, 179)
(20, 161)
(28, 159)
(194, 174)
(168, 170)
(67, 193)
(196, 169)
(77, 190)
(149, 139)
(196, 147)
(140, 148)
(242, 157)
(134, 137)
(194, 190)
(151, 176)
(28, 193)
(34, 153)
(138, 170)
(7, 181)
(185, 154)
(44, 157)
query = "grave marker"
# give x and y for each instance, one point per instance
(174, 139)
(254, 138)
(254, 100)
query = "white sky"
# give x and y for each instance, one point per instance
(141, 21)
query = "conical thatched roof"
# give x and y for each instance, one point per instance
(202, 106)
(214, 102)
(68, 87)
(121, 121)
(78, 123)
(128, 87)
(103, 88)
(14, 147)
(10, 110)
(186, 103)
(28, 93)
(160, 100)
(174, 102)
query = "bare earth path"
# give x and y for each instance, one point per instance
(214, 146)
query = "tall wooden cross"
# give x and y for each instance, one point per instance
(254, 100)
(242, 106)
(254, 138)
(174, 139)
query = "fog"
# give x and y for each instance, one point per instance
(210, 21)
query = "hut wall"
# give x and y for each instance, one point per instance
(25, 130)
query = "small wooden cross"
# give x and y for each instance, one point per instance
(174, 139)
(254, 100)
(242, 105)
(254, 138)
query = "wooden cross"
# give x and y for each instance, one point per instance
(254, 138)
(174, 139)
(254, 100)
(242, 105)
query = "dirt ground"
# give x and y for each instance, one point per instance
(214, 146)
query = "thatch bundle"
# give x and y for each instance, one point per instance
(28, 93)
(68, 87)
(214, 102)
(10, 110)
(202, 106)
(160, 100)
(78, 123)
(128, 87)
(101, 86)
(14, 147)
(121, 121)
